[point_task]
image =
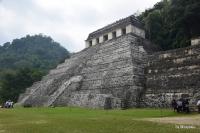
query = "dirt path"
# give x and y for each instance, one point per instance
(187, 120)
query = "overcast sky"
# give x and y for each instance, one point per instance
(67, 21)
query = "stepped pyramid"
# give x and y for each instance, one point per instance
(108, 73)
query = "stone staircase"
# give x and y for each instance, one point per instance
(60, 90)
(46, 91)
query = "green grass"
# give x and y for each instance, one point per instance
(77, 120)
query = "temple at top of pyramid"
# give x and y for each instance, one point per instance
(121, 27)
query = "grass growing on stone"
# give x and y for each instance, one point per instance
(78, 120)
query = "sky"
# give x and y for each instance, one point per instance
(67, 21)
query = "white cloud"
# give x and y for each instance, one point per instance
(66, 21)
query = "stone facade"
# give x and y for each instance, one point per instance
(108, 75)
(171, 75)
(119, 69)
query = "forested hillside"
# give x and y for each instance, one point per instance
(172, 23)
(37, 51)
(24, 61)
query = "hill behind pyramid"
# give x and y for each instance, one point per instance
(37, 51)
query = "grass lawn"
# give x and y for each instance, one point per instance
(77, 120)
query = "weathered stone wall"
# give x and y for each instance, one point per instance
(108, 75)
(121, 72)
(41, 92)
(172, 75)
(114, 72)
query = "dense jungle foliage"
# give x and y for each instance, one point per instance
(172, 23)
(24, 61)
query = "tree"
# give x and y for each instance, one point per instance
(36, 51)
(15, 83)
(172, 23)
(25, 61)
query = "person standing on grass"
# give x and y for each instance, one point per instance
(174, 105)
(183, 105)
(6, 105)
(187, 108)
(179, 105)
(198, 105)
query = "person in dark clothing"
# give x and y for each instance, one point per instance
(174, 105)
(187, 108)
(183, 105)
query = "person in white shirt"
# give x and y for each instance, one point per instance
(179, 105)
(7, 104)
(198, 105)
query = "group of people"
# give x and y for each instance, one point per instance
(182, 105)
(8, 104)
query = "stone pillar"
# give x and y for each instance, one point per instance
(119, 32)
(129, 29)
(87, 44)
(100, 39)
(110, 36)
(94, 41)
